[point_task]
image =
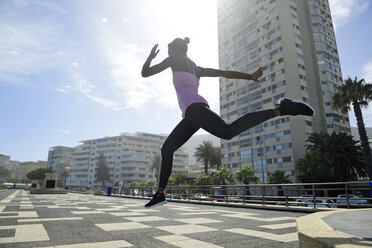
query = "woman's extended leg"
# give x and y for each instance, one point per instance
(180, 134)
(201, 115)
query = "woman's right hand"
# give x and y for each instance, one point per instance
(154, 52)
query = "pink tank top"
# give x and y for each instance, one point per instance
(187, 85)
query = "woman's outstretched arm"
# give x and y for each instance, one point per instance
(149, 71)
(208, 72)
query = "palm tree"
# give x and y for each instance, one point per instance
(246, 174)
(150, 183)
(178, 178)
(65, 175)
(314, 168)
(278, 177)
(204, 153)
(343, 153)
(222, 176)
(358, 94)
(133, 184)
(203, 179)
(155, 165)
(216, 158)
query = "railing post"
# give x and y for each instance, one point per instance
(263, 195)
(188, 194)
(347, 196)
(314, 198)
(286, 196)
(227, 197)
(244, 192)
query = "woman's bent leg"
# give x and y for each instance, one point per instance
(201, 115)
(180, 134)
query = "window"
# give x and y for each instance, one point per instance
(247, 154)
(245, 143)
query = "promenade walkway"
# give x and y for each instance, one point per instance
(79, 221)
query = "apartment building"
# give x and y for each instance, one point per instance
(128, 157)
(60, 158)
(294, 41)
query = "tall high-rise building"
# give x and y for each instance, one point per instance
(128, 157)
(294, 42)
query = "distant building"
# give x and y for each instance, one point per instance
(128, 156)
(24, 167)
(4, 161)
(13, 164)
(59, 158)
(8, 164)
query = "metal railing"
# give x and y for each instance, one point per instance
(297, 195)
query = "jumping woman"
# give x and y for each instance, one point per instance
(195, 109)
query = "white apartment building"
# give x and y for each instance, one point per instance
(294, 41)
(60, 158)
(128, 156)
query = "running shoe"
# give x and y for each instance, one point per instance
(157, 200)
(288, 106)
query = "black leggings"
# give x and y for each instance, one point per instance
(198, 115)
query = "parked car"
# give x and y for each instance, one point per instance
(303, 198)
(177, 196)
(353, 199)
(319, 203)
(200, 197)
(289, 204)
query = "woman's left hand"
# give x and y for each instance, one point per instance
(257, 74)
(154, 52)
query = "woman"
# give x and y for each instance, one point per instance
(195, 110)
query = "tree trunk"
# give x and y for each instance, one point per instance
(363, 138)
(206, 167)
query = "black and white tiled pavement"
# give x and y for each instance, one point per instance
(82, 221)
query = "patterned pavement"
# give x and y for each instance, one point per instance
(82, 221)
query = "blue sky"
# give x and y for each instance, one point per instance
(70, 70)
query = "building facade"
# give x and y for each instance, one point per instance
(128, 157)
(60, 158)
(10, 165)
(294, 42)
(5, 161)
(24, 167)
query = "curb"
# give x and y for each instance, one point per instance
(313, 232)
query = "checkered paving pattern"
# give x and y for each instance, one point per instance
(78, 220)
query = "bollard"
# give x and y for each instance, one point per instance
(109, 191)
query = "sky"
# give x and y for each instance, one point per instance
(70, 70)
